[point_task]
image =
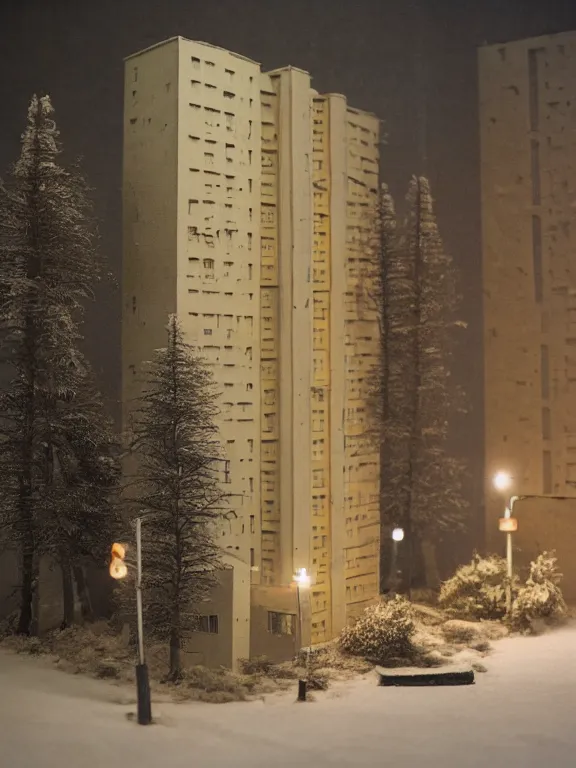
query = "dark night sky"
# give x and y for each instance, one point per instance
(366, 49)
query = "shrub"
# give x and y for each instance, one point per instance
(226, 685)
(477, 590)
(259, 665)
(382, 633)
(318, 680)
(541, 597)
(460, 632)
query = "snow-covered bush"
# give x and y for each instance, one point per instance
(541, 597)
(477, 590)
(383, 632)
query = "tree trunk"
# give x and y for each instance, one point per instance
(26, 515)
(431, 573)
(175, 656)
(27, 589)
(83, 593)
(67, 593)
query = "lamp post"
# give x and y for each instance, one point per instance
(119, 570)
(508, 524)
(397, 537)
(302, 579)
(502, 482)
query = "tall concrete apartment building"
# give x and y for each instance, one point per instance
(528, 157)
(248, 205)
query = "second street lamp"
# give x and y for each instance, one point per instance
(502, 482)
(119, 570)
(397, 537)
(302, 580)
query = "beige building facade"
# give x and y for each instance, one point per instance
(247, 205)
(528, 163)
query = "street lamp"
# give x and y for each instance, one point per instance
(397, 537)
(119, 570)
(503, 482)
(302, 579)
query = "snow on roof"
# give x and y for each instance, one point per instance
(187, 40)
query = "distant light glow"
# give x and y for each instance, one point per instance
(502, 481)
(302, 578)
(118, 550)
(118, 568)
(398, 534)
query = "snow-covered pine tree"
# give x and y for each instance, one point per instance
(87, 483)
(176, 490)
(394, 297)
(434, 477)
(48, 266)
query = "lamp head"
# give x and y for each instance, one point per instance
(398, 534)
(502, 481)
(302, 577)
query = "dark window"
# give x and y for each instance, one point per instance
(537, 257)
(534, 106)
(546, 472)
(208, 624)
(545, 371)
(281, 623)
(252, 558)
(535, 163)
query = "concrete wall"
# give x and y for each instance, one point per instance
(191, 246)
(338, 204)
(263, 642)
(321, 404)
(149, 209)
(219, 264)
(545, 525)
(296, 313)
(248, 209)
(287, 318)
(215, 650)
(528, 163)
(270, 509)
(361, 349)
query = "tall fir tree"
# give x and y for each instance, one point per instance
(437, 506)
(421, 480)
(394, 297)
(177, 490)
(48, 266)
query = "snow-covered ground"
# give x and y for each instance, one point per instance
(521, 713)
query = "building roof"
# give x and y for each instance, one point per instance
(533, 42)
(289, 68)
(185, 39)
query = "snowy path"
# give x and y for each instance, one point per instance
(519, 714)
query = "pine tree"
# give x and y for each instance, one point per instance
(435, 476)
(420, 479)
(394, 298)
(88, 482)
(177, 491)
(49, 264)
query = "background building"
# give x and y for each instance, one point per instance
(528, 155)
(248, 203)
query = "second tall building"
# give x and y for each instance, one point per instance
(249, 212)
